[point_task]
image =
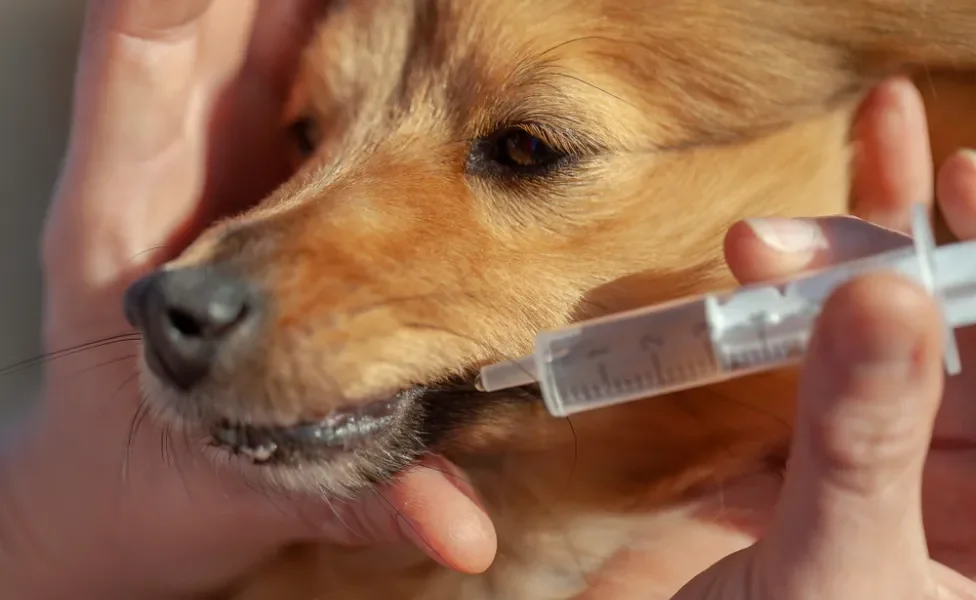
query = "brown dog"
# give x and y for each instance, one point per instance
(474, 171)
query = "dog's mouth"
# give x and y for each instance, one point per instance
(342, 431)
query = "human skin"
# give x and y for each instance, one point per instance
(884, 451)
(166, 92)
(176, 122)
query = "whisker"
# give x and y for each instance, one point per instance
(441, 471)
(177, 465)
(270, 497)
(552, 49)
(572, 470)
(584, 575)
(766, 413)
(594, 86)
(338, 515)
(148, 250)
(127, 381)
(402, 519)
(138, 418)
(164, 447)
(104, 363)
(100, 343)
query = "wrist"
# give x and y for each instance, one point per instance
(51, 545)
(24, 553)
(99, 514)
(15, 561)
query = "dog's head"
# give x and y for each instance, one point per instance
(470, 172)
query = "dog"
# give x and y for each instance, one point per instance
(469, 173)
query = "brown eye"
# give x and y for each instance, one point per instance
(306, 135)
(520, 149)
(515, 153)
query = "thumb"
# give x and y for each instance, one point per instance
(849, 524)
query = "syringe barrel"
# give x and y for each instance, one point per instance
(624, 357)
(715, 337)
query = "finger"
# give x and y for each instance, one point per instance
(135, 165)
(849, 524)
(245, 164)
(283, 28)
(957, 193)
(151, 19)
(136, 76)
(766, 249)
(439, 513)
(893, 163)
(432, 507)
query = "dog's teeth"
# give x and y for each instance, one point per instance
(260, 454)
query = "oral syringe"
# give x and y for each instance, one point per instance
(715, 337)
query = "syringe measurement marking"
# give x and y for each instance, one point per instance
(594, 392)
(703, 334)
(610, 384)
(783, 349)
(593, 379)
(732, 335)
(765, 349)
(652, 345)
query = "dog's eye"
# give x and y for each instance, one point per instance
(514, 151)
(306, 135)
(520, 149)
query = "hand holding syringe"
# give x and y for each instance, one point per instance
(715, 337)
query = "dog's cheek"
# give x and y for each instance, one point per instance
(466, 425)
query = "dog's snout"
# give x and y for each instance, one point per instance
(188, 317)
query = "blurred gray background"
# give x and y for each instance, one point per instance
(38, 46)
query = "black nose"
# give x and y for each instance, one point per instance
(187, 317)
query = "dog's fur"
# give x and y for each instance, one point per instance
(402, 253)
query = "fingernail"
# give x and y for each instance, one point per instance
(892, 115)
(969, 155)
(788, 235)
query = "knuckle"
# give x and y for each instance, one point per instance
(864, 445)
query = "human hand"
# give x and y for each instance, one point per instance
(877, 500)
(177, 121)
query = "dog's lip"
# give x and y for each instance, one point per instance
(342, 430)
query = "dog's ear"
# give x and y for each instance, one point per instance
(883, 36)
(721, 68)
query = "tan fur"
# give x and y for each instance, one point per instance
(390, 265)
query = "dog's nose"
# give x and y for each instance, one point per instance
(187, 316)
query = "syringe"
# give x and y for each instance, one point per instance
(715, 337)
